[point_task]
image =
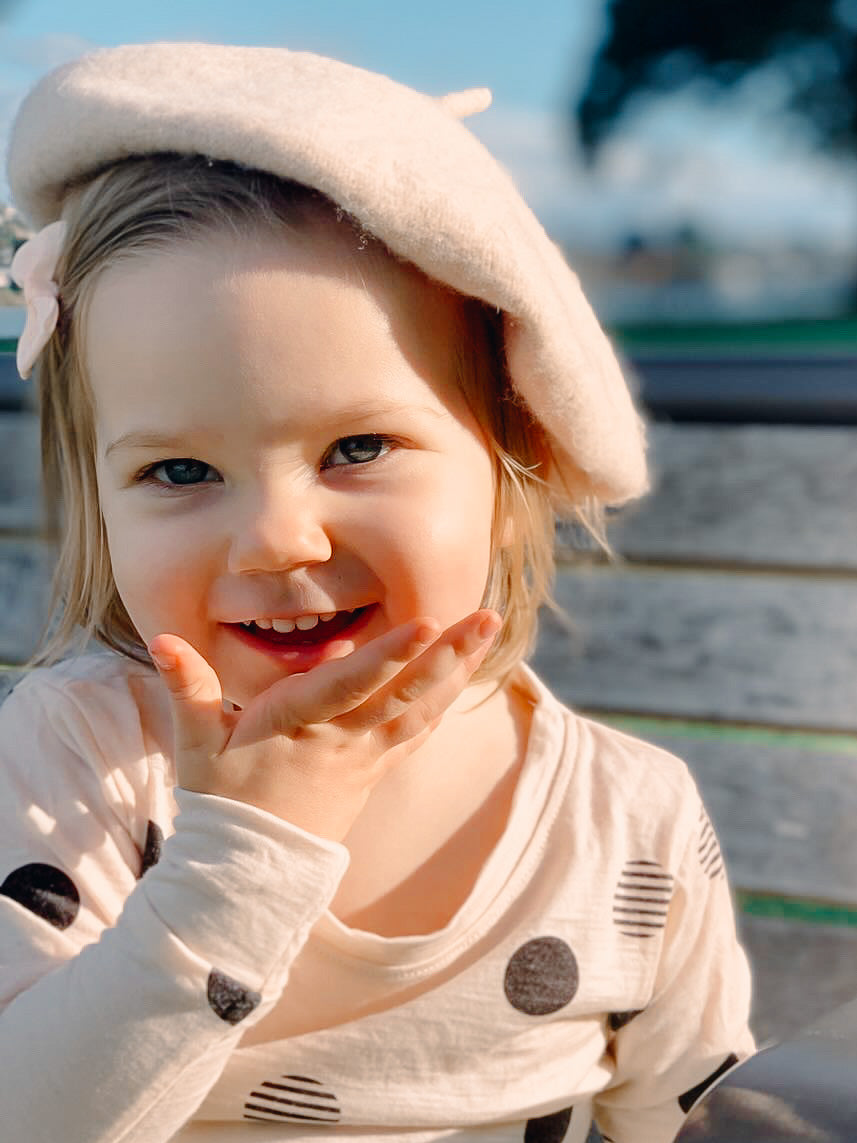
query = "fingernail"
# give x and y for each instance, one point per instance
(479, 636)
(426, 633)
(162, 660)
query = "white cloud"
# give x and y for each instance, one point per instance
(739, 181)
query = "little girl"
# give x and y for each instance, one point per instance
(305, 851)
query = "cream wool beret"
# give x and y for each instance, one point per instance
(400, 162)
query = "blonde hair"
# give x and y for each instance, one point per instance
(150, 202)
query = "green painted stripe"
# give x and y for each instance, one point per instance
(752, 902)
(831, 742)
(795, 909)
(801, 336)
(756, 903)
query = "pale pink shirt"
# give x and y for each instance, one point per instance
(169, 968)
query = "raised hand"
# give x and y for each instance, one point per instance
(311, 747)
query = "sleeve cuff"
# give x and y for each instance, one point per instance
(239, 886)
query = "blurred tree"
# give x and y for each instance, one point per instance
(659, 46)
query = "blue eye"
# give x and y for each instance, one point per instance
(356, 450)
(182, 471)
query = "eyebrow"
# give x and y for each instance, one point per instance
(361, 410)
(143, 439)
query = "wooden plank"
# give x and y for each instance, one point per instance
(19, 472)
(712, 645)
(800, 973)
(772, 387)
(747, 494)
(783, 804)
(24, 580)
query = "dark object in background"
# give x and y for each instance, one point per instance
(803, 1090)
(770, 389)
(766, 389)
(660, 46)
(15, 394)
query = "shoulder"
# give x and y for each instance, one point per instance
(637, 797)
(92, 731)
(87, 701)
(98, 672)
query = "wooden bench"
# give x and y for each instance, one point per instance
(727, 634)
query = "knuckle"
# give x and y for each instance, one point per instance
(409, 691)
(188, 691)
(346, 691)
(408, 724)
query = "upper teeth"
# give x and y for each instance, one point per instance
(303, 622)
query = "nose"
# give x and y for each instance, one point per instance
(278, 530)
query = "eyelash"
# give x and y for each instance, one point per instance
(147, 475)
(376, 439)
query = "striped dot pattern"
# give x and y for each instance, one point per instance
(710, 856)
(296, 1099)
(642, 899)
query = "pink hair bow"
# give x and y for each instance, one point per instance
(33, 268)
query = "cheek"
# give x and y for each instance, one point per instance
(435, 538)
(156, 569)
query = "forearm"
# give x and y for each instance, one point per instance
(123, 1041)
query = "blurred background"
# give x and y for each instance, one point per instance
(696, 161)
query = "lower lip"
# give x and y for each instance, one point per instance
(303, 657)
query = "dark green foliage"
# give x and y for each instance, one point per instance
(659, 46)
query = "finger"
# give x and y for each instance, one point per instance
(427, 711)
(339, 685)
(196, 696)
(452, 658)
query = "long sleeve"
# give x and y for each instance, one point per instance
(695, 1025)
(123, 995)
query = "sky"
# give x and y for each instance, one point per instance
(730, 172)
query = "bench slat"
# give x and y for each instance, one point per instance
(24, 586)
(742, 494)
(19, 472)
(800, 973)
(749, 495)
(784, 810)
(763, 648)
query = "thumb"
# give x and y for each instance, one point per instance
(195, 693)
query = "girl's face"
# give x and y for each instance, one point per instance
(281, 440)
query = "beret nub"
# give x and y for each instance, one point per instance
(399, 161)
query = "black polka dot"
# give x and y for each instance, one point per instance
(45, 891)
(689, 1098)
(229, 999)
(617, 1020)
(541, 977)
(548, 1128)
(154, 843)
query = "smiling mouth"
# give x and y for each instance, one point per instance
(322, 632)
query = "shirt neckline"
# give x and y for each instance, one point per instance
(523, 831)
